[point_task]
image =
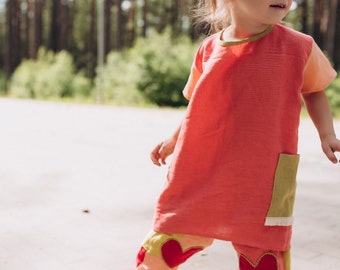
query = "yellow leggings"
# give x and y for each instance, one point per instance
(168, 251)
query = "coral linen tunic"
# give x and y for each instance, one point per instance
(233, 173)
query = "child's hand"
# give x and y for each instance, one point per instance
(162, 151)
(330, 145)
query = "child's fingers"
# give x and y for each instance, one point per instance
(155, 155)
(163, 161)
(163, 154)
(332, 158)
(155, 161)
(330, 154)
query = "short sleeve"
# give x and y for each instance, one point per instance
(191, 83)
(195, 74)
(318, 72)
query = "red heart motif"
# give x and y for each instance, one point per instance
(173, 254)
(140, 256)
(266, 262)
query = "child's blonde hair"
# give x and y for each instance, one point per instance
(213, 12)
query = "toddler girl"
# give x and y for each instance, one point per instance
(233, 172)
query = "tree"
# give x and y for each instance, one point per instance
(174, 16)
(59, 25)
(318, 25)
(12, 43)
(304, 16)
(107, 23)
(145, 18)
(326, 28)
(91, 50)
(130, 25)
(331, 27)
(72, 25)
(34, 26)
(118, 31)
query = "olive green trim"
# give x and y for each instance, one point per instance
(247, 40)
(287, 259)
(283, 197)
(154, 242)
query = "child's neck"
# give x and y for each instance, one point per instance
(237, 33)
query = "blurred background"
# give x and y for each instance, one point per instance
(124, 52)
(77, 186)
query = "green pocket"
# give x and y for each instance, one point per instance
(281, 207)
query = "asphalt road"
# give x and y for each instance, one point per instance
(78, 190)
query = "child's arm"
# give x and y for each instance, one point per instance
(319, 110)
(165, 149)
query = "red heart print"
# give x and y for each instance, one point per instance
(173, 254)
(141, 256)
(266, 262)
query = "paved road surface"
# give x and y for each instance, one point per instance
(78, 190)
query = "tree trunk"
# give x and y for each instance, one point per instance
(145, 18)
(131, 24)
(304, 16)
(174, 17)
(12, 44)
(332, 6)
(163, 16)
(35, 27)
(25, 24)
(59, 25)
(64, 24)
(91, 41)
(118, 37)
(317, 26)
(54, 26)
(71, 12)
(107, 31)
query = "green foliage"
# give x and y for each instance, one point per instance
(165, 66)
(154, 70)
(81, 86)
(333, 93)
(120, 77)
(2, 83)
(23, 80)
(50, 76)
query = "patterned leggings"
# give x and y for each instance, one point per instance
(168, 251)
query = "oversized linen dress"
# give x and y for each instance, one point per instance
(233, 173)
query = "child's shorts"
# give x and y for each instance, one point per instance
(168, 251)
